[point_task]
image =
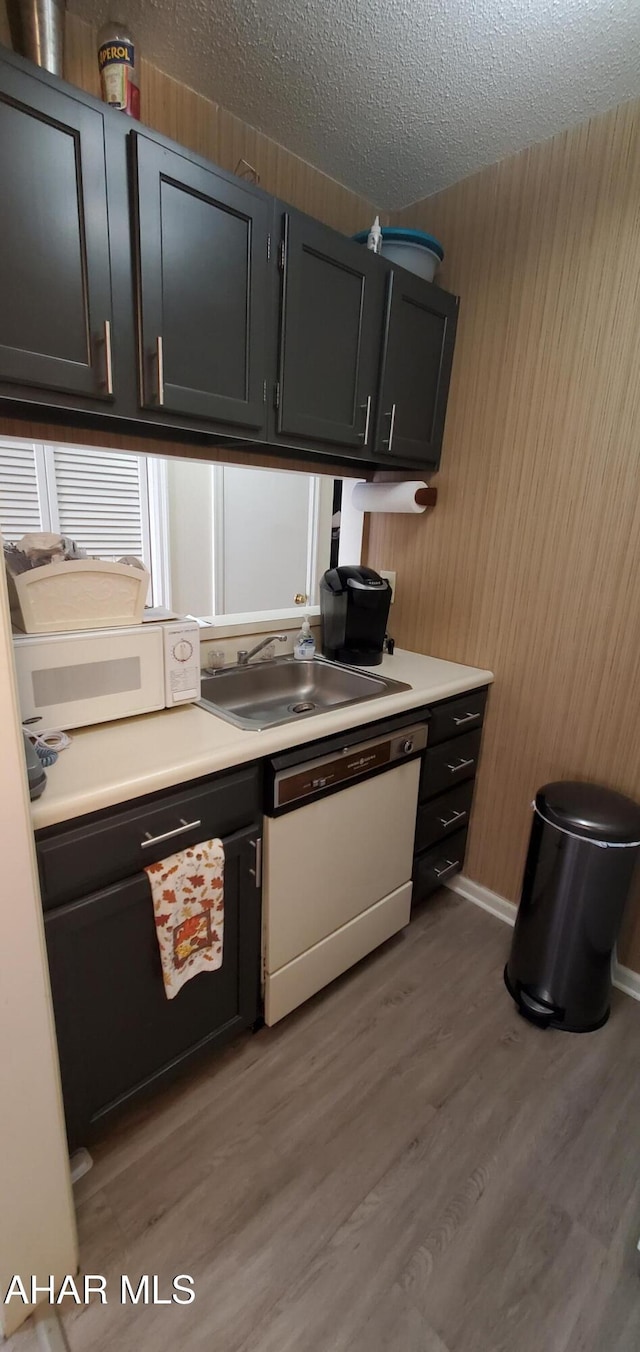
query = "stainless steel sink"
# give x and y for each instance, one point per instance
(265, 694)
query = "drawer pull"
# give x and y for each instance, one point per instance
(160, 367)
(448, 821)
(466, 718)
(257, 871)
(462, 765)
(167, 835)
(449, 867)
(391, 415)
(108, 362)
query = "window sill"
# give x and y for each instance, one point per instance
(261, 622)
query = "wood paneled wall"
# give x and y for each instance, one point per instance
(203, 126)
(530, 563)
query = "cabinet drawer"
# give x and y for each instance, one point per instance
(121, 843)
(441, 817)
(449, 764)
(457, 716)
(434, 868)
(117, 1032)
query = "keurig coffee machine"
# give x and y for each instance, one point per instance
(354, 604)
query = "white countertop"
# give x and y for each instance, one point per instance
(113, 762)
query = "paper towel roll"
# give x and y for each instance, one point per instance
(387, 497)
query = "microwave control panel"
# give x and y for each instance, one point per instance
(181, 662)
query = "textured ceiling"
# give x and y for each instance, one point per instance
(395, 98)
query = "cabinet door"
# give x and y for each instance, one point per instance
(117, 1032)
(416, 369)
(202, 245)
(55, 277)
(331, 329)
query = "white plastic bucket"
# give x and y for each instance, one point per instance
(414, 257)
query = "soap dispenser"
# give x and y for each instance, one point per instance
(305, 644)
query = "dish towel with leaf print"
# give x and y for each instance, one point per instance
(188, 905)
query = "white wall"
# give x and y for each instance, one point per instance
(265, 529)
(37, 1226)
(190, 496)
(249, 528)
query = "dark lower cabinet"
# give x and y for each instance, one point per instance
(443, 816)
(434, 867)
(449, 763)
(202, 246)
(330, 334)
(417, 356)
(118, 1035)
(55, 267)
(447, 783)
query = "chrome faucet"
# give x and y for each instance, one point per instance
(243, 657)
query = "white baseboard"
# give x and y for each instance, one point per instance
(623, 977)
(626, 980)
(482, 896)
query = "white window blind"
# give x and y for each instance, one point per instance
(100, 501)
(21, 495)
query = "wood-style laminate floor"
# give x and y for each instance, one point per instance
(404, 1165)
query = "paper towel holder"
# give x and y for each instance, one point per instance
(394, 496)
(424, 497)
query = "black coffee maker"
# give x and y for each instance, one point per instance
(354, 604)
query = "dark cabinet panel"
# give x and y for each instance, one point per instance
(454, 717)
(319, 347)
(74, 861)
(330, 334)
(416, 369)
(202, 251)
(442, 816)
(434, 868)
(448, 764)
(117, 1032)
(55, 270)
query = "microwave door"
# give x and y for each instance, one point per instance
(73, 680)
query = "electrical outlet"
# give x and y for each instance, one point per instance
(391, 577)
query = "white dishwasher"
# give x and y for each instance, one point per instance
(338, 855)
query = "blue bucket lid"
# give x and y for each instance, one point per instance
(402, 235)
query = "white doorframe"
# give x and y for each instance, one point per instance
(38, 1233)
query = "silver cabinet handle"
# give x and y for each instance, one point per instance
(392, 419)
(167, 835)
(448, 821)
(466, 718)
(257, 871)
(450, 865)
(460, 766)
(108, 364)
(160, 365)
(367, 408)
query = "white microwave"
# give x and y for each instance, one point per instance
(92, 676)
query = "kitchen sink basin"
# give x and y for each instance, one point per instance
(282, 690)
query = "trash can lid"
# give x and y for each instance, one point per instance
(590, 811)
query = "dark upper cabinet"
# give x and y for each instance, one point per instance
(417, 355)
(55, 268)
(139, 283)
(332, 305)
(202, 247)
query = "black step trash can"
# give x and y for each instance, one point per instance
(584, 846)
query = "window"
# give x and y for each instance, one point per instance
(97, 498)
(226, 543)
